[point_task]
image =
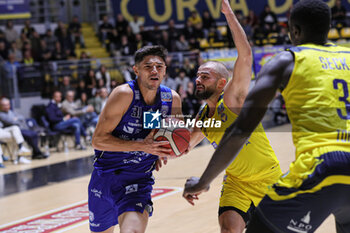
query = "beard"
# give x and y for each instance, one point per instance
(206, 94)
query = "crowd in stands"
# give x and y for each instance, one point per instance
(122, 37)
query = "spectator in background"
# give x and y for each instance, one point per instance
(85, 114)
(66, 42)
(81, 100)
(125, 48)
(28, 29)
(182, 44)
(65, 85)
(58, 30)
(11, 118)
(189, 68)
(182, 80)
(190, 96)
(45, 54)
(268, 20)
(188, 31)
(11, 66)
(28, 60)
(80, 89)
(283, 37)
(156, 35)
(61, 122)
(36, 46)
(146, 35)
(169, 82)
(75, 32)
(121, 24)
(170, 68)
(135, 24)
(195, 18)
(247, 28)
(50, 40)
(13, 135)
(84, 63)
(198, 31)
(22, 40)
(16, 52)
(187, 108)
(338, 15)
(2, 37)
(166, 42)
(90, 81)
(3, 50)
(209, 24)
(100, 100)
(106, 31)
(58, 53)
(252, 20)
(139, 42)
(11, 34)
(173, 34)
(103, 74)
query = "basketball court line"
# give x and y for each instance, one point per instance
(67, 217)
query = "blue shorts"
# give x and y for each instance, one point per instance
(113, 193)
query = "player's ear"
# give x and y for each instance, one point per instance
(222, 83)
(135, 70)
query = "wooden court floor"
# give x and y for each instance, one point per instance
(172, 214)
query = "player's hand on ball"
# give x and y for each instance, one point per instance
(193, 188)
(156, 147)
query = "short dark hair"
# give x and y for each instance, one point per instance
(153, 50)
(312, 16)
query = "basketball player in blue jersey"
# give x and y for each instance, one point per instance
(125, 153)
(314, 77)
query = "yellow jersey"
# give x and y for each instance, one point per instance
(317, 98)
(256, 159)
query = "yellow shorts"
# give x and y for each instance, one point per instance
(242, 194)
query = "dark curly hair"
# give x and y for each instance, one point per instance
(153, 50)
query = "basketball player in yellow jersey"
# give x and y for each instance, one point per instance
(315, 79)
(246, 179)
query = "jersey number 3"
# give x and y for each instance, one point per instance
(344, 98)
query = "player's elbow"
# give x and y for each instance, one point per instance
(248, 58)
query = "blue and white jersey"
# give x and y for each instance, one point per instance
(131, 128)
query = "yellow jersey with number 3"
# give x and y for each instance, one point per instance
(317, 97)
(256, 160)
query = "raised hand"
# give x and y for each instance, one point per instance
(225, 7)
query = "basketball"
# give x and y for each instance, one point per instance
(178, 138)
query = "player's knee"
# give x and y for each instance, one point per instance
(231, 222)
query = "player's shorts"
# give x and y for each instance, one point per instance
(113, 193)
(317, 185)
(243, 196)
